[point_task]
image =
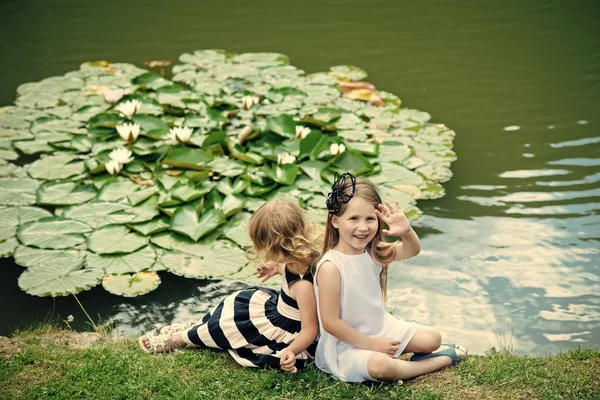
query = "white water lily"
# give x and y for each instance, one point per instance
(113, 167)
(121, 155)
(181, 134)
(249, 101)
(129, 132)
(129, 108)
(114, 95)
(336, 149)
(285, 158)
(302, 131)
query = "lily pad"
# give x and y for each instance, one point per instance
(53, 233)
(140, 260)
(60, 166)
(131, 285)
(186, 221)
(58, 280)
(30, 257)
(8, 246)
(99, 214)
(64, 193)
(216, 263)
(115, 239)
(18, 191)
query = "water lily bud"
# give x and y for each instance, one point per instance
(114, 95)
(285, 158)
(180, 134)
(121, 155)
(247, 102)
(302, 131)
(129, 132)
(129, 108)
(113, 167)
(336, 149)
(244, 133)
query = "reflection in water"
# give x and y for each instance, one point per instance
(514, 281)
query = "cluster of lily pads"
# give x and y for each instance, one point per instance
(112, 173)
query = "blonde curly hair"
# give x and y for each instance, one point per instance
(281, 233)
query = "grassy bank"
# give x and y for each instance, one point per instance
(53, 363)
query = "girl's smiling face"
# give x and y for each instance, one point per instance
(357, 226)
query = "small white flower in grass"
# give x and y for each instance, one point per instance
(302, 131)
(121, 155)
(70, 318)
(113, 167)
(182, 135)
(129, 132)
(336, 149)
(129, 108)
(285, 158)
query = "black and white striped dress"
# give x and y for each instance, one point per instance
(254, 325)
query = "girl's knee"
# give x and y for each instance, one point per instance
(436, 339)
(426, 340)
(382, 367)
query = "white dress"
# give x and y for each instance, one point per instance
(361, 306)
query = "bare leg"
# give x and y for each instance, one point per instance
(425, 340)
(383, 367)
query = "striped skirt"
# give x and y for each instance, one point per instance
(248, 325)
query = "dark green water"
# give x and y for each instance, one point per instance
(511, 254)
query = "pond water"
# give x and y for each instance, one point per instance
(511, 254)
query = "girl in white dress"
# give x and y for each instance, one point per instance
(359, 341)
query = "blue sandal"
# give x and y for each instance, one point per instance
(451, 351)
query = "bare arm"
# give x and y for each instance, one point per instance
(330, 282)
(304, 294)
(398, 225)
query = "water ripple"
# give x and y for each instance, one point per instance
(529, 173)
(584, 162)
(578, 142)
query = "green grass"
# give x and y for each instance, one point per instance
(47, 366)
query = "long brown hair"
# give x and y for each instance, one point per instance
(281, 233)
(365, 189)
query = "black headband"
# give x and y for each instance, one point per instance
(338, 194)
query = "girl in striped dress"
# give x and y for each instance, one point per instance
(262, 327)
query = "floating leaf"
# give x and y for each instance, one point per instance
(283, 125)
(58, 280)
(8, 246)
(18, 191)
(60, 166)
(172, 241)
(349, 72)
(114, 239)
(187, 222)
(151, 227)
(131, 285)
(31, 257)
(100, 214)
(64, 193)
(186, 157)
(53, 233)
(140, 260)
(220, 261)
(435, 173)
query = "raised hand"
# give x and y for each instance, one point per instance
(384, 345)
(267, 271)
(394, 218)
